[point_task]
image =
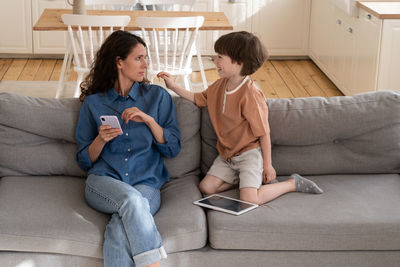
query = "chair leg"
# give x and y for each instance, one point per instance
(186, 82)
(77, 92)
(68, 69)
(203, 74)
(61, 80)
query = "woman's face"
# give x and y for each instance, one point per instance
(134, 66)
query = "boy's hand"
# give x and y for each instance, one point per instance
(169, 82)
(269, 173)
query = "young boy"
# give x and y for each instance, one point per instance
(239, 115)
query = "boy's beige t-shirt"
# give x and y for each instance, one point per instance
(239, 120)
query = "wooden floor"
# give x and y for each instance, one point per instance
(277, 78)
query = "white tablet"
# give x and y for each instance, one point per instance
(225, 204)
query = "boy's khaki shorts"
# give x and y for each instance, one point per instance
(245, 169)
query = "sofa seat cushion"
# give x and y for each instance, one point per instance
(182, 225)
(355, 212)
(49, 214)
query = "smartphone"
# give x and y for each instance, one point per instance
(110, 120)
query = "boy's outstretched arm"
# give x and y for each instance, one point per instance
(170, 83)
(269, 173)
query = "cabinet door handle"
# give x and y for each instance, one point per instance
(350, 30)
(369, 16)
(339, 22)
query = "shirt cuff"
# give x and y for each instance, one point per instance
(84, 160)
(164, 148)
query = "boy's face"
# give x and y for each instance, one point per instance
(226, 68)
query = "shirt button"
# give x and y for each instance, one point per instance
(129, 149)
(126, 174)
(126, 159)
(126, 134)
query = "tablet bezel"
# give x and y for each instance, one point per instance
(253, 206)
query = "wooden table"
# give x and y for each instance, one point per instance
(50, 20)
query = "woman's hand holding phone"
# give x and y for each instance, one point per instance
(110, 128)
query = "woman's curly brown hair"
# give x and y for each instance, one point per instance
(104, 74)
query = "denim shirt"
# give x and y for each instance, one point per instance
(134, 157)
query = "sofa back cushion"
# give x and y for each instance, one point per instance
(313, 136)
(23, 153)
(187, 162)
(37, 137)
(47, 117)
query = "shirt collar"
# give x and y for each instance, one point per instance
(133, 93)
(238, 87)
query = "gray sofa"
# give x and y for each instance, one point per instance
(349, 145)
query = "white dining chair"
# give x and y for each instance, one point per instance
(170, 52)
(176, 5)
(86, 34)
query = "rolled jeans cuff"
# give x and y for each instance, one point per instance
(150, 257)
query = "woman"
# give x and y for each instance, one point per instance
(125, 169)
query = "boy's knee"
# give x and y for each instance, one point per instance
(249, 196)
(206, 188)
(250, 199)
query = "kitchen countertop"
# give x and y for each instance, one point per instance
(381, 9)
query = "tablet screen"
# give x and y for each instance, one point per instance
(226, 203)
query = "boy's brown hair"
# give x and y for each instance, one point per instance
(242, 47)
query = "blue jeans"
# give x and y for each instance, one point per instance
(131, 237)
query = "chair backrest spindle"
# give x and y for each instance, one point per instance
(172, 43)
(175, 42)
(165, 47)
(81, 30)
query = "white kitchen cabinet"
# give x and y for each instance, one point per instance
(343, 49)
(366, 54)
(359, 54)
(17, 18)
(321, 27)
(333, 43)
(239, 14)
(282, 25)
(15, 26)
(389, 63)
(47, 42)
(205, 37)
